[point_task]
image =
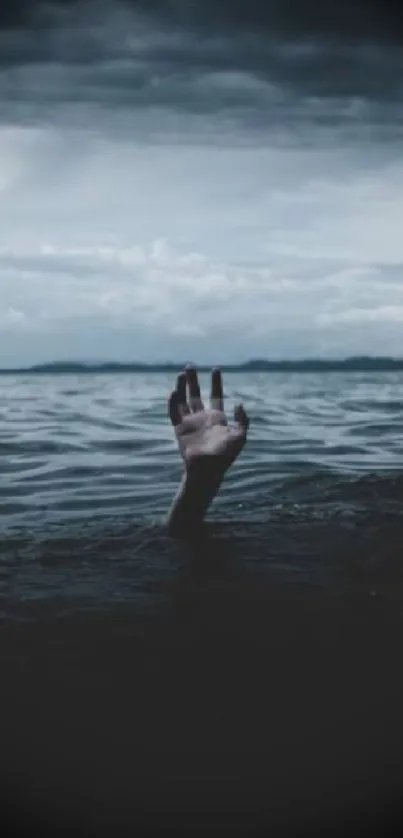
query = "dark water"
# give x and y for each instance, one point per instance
(249, 677)
(89, 466)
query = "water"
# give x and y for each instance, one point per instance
(249, 674)
(89, 466)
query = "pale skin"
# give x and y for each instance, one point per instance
(207, 443)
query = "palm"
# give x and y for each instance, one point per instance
(204, 434)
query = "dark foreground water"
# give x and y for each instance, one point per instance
(250, 676)
(89, 467)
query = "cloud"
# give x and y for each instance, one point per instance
(182, 295)
(251, 65)
(12, 318)
(204, 244)
(383, 314)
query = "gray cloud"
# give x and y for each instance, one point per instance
(254, 64)
(338, 19)
(183, 175)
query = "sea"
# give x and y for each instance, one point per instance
(89, 467)
(250, 671)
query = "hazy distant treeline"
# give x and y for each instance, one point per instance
(358, 364)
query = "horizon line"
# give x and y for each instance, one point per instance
(256, 363)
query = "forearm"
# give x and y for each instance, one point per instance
(191, 502)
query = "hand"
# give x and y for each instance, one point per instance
(204, 434)
(208, 445)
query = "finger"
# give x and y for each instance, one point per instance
(173, 408)
(194, 389)
(181, 390)
(217, 397)
(241, 417)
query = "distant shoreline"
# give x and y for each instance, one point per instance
(352, 364)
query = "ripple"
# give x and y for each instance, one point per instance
(85, 445)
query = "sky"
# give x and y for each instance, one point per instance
(200, 180)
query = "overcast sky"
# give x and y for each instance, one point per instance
(206, 180)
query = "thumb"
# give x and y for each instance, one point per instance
(241, 417)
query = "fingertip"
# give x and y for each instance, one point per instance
(240, 415)
(181, 387)
(194, 388)
(216, 395)
(173, 408)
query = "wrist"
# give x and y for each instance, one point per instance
(198, 487)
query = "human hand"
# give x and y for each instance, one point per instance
(207, 443)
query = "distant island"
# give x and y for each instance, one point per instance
(361, 363)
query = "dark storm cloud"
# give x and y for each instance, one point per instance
(354, 20)
(375, 20)
(328, 60)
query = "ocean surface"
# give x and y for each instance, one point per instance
(89, 466)
(247, 676)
